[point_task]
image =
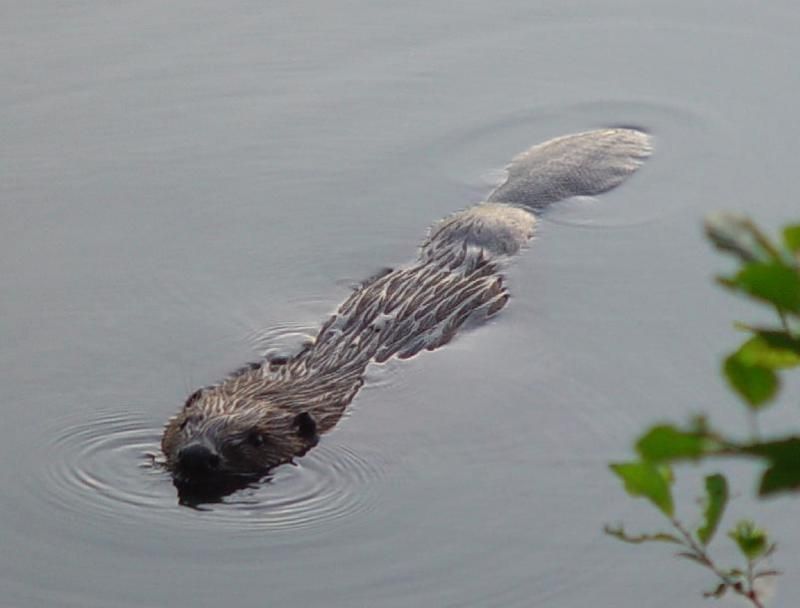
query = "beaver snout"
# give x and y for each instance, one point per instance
(197, 460)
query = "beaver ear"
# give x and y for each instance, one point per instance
(306, 425)
(192, 398)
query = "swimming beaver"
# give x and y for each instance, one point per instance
(269, 412)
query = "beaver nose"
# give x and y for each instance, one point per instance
(197, 459)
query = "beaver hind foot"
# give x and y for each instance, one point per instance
(267, 413)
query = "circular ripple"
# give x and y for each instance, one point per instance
(282, 339)
(110, 467)
(100, 465)
(328, 484)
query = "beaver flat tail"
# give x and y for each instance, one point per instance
(582, 164)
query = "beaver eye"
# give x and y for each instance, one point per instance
(188, 419)
(255, 439)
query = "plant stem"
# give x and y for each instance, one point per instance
(704, 558)
(755, 433)
(751, 592)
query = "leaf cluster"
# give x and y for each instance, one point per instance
(769, 274)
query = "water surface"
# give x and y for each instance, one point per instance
(185, 186)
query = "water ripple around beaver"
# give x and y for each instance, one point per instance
(680, 130)
(282, 340)
(109, 467)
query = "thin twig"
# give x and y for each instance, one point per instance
(704, 558)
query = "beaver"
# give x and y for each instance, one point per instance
(270, 412)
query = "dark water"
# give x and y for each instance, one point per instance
(185, 185)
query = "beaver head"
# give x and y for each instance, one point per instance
(220, 438)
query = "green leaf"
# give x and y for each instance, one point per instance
(772, 349)
(781, 450)
(791, 237)
(736, 234)
(665, 443)
(752, 541)
(648, 481)
(715, 500)
(637, 539)
(779, 477)
(773, 282)
(783, 472)
(756, 384)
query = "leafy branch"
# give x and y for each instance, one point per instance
(770, 275)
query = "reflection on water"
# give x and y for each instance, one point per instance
(99, 467)
(188, 187)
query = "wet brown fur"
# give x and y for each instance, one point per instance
(268, 413)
